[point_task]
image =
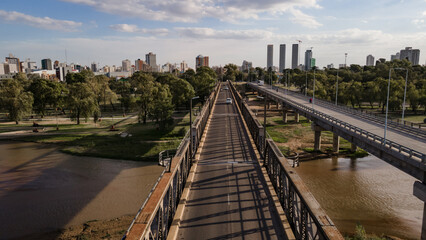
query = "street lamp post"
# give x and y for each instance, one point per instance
(190, 126)
(313, 94)
(306, 84)
(405, 94)
(264, 123)
(337, 84)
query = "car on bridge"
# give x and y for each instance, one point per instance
(229, 101)
(261, 83)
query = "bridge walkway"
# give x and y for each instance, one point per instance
(229, 198)
(396, 136)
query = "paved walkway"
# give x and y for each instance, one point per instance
(229, 198)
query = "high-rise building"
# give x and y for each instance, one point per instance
(201, 61)
(151, 60)
(126, 65)
(412, 55)
(282, 58)
(94, 67)
(395, 57)
(183, 66)
(295, 56)
(46, 64)
(14, 63)
(308, 59)
(270, 57)
(370, 60)
(330, 66)
(142, 66)
(246, 66)
(2, 69)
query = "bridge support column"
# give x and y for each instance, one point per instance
(353, 147)
(296, 117)
(317, 143)
(336, 143)
(285, 115)
(278, 105)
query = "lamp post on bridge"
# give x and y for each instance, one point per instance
(313, 94)
(264, 126)
(337, 84)
(190, 126)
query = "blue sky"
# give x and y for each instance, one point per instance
(229, 31)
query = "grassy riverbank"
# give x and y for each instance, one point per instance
(130, 140)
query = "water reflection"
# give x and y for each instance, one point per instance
(42, 189)
(367, 191)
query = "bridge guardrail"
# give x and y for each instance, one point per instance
(155, 217)
(410, 153)
(306, 218)
(395, 123)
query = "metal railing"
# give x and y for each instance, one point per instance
(306, 218)
(376, 139)
(155, 217)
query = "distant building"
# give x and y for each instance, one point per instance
(126, 65)
(46, 64)
(396, 56)
(282, 58)
(46, 74)
(183, 66)
(94, 67)
(151, 60)
(380, 60)
(412, 55)
(270, 57)
(295, 56)
(308, 58)
(14, 64)
(1, 69)
(142, 66)
(201, 61)
(61, 72)
(370, 60)
(342, 65)
(56, 64)
(330, 66)
(245, 67)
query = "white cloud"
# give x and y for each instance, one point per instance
(135, 29)
(303, 19)
(194, 10)
(209, 33)
(45, 23)
(421, 21)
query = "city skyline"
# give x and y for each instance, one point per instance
(106, 32)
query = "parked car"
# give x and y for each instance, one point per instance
(229, 101)
(261, 83)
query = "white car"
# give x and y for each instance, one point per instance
(261, 83)
(229, 101)
(225, 88)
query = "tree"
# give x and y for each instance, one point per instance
(81, 77)
(102, 90)
(231, 72)
(204, 82)
(162, 106)
(81, 101)
(181, 90)
(145, 86)
(13, 98)
(45, 92)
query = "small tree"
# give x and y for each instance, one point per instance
(17, 102)
(162, 107)
(81, 101)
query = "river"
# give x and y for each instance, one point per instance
(42, 189)
(367, 191)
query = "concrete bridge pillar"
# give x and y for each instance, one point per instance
(296, 117)
(336, 143)
(317, 129)
(285, 115)
(353, 147)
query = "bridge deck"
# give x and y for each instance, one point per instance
(399, 137)
(229, 198)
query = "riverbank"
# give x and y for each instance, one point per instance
(128, 139)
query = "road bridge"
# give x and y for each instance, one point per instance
(217, 188)
(404, 147)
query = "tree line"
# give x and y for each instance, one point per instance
(153, 96)
(356, 85)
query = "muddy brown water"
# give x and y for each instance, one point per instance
(367, 191)
(42, 189)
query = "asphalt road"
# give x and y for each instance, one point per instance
(404, 139)
(229, 198)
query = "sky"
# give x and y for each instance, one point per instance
(228, 31)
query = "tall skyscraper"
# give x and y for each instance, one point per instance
(308, 59)
(13, 63)
(246, 66)
(126, 65)
(282, 58)
(46, 64)
(270, 60)
(151, 60)
(370, 60)
(201, 61)
(295, 56)
(94, 67)
(412, 55)
(183, 66)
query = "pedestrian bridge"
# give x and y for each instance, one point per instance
(227, 180)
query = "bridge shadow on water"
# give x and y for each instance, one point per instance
(43, 190)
